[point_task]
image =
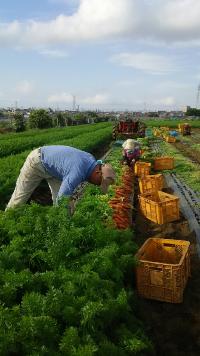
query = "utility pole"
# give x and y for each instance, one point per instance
(74, 102)
(198, 96)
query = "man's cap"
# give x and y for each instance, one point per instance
(130, 144)
(108, 177)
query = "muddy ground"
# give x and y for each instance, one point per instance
(187, 151)
(173, 328)
(185, 147)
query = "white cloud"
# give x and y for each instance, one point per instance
(173, 85)
(66, 98)
(148, 62)
(94, 19)
(60, 98)
(167, 101)
(54, 53)
(155, 20)
(95, 99)
(24, 87)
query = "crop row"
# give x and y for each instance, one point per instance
(10, 166)
(38, 132)
(63, 281)
(187, 170)
(173, 123)
(16, 145)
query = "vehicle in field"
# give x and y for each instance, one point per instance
(128, 128)
(184, 129)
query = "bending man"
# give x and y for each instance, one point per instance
(64, 168)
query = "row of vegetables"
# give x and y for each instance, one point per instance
(122, 202)
(17, 143)
(10, 166)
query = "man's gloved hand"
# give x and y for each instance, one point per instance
(132, 162)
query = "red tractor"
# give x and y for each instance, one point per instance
(128, 129)
(184, 129)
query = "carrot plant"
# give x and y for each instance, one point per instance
(67, 282)
(17, 144)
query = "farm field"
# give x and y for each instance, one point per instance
(171, 123)
(10, 165)
(68, 282)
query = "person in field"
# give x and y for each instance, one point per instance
(64, 168)
(130, 152)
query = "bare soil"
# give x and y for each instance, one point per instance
(185, 146)
(187, 151)
(173, 328)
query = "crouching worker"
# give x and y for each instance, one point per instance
(64, 168)
(130, 152)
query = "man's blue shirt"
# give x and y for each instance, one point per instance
(67, 164)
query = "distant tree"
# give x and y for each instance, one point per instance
(192, 112)
(19, 122)
(60, 120)
(39, 119)
(92, 114)
(68, 120)
(80, 118)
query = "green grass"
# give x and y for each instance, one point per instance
(186, 170)
(173, 123)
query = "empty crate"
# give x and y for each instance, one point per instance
(161, 163)
(159, 207)
(170, 139)
(142, 168)
(163, 269)
(151, 183)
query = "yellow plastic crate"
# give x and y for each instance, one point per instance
(159, 207)
(161, 163)
(170, 139)
(142, 168)
(163, 269)
(151, 183)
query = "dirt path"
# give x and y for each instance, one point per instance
(185, 143)
(173, 328)
(187, 151)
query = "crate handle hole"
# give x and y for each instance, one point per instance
(168, 245)
(156, 269)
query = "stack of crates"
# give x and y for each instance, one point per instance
(163, 269)
(163, 264)
(156, 205)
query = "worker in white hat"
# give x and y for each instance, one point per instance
(130, 152)
(64, 168)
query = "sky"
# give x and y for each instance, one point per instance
(100, 54)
